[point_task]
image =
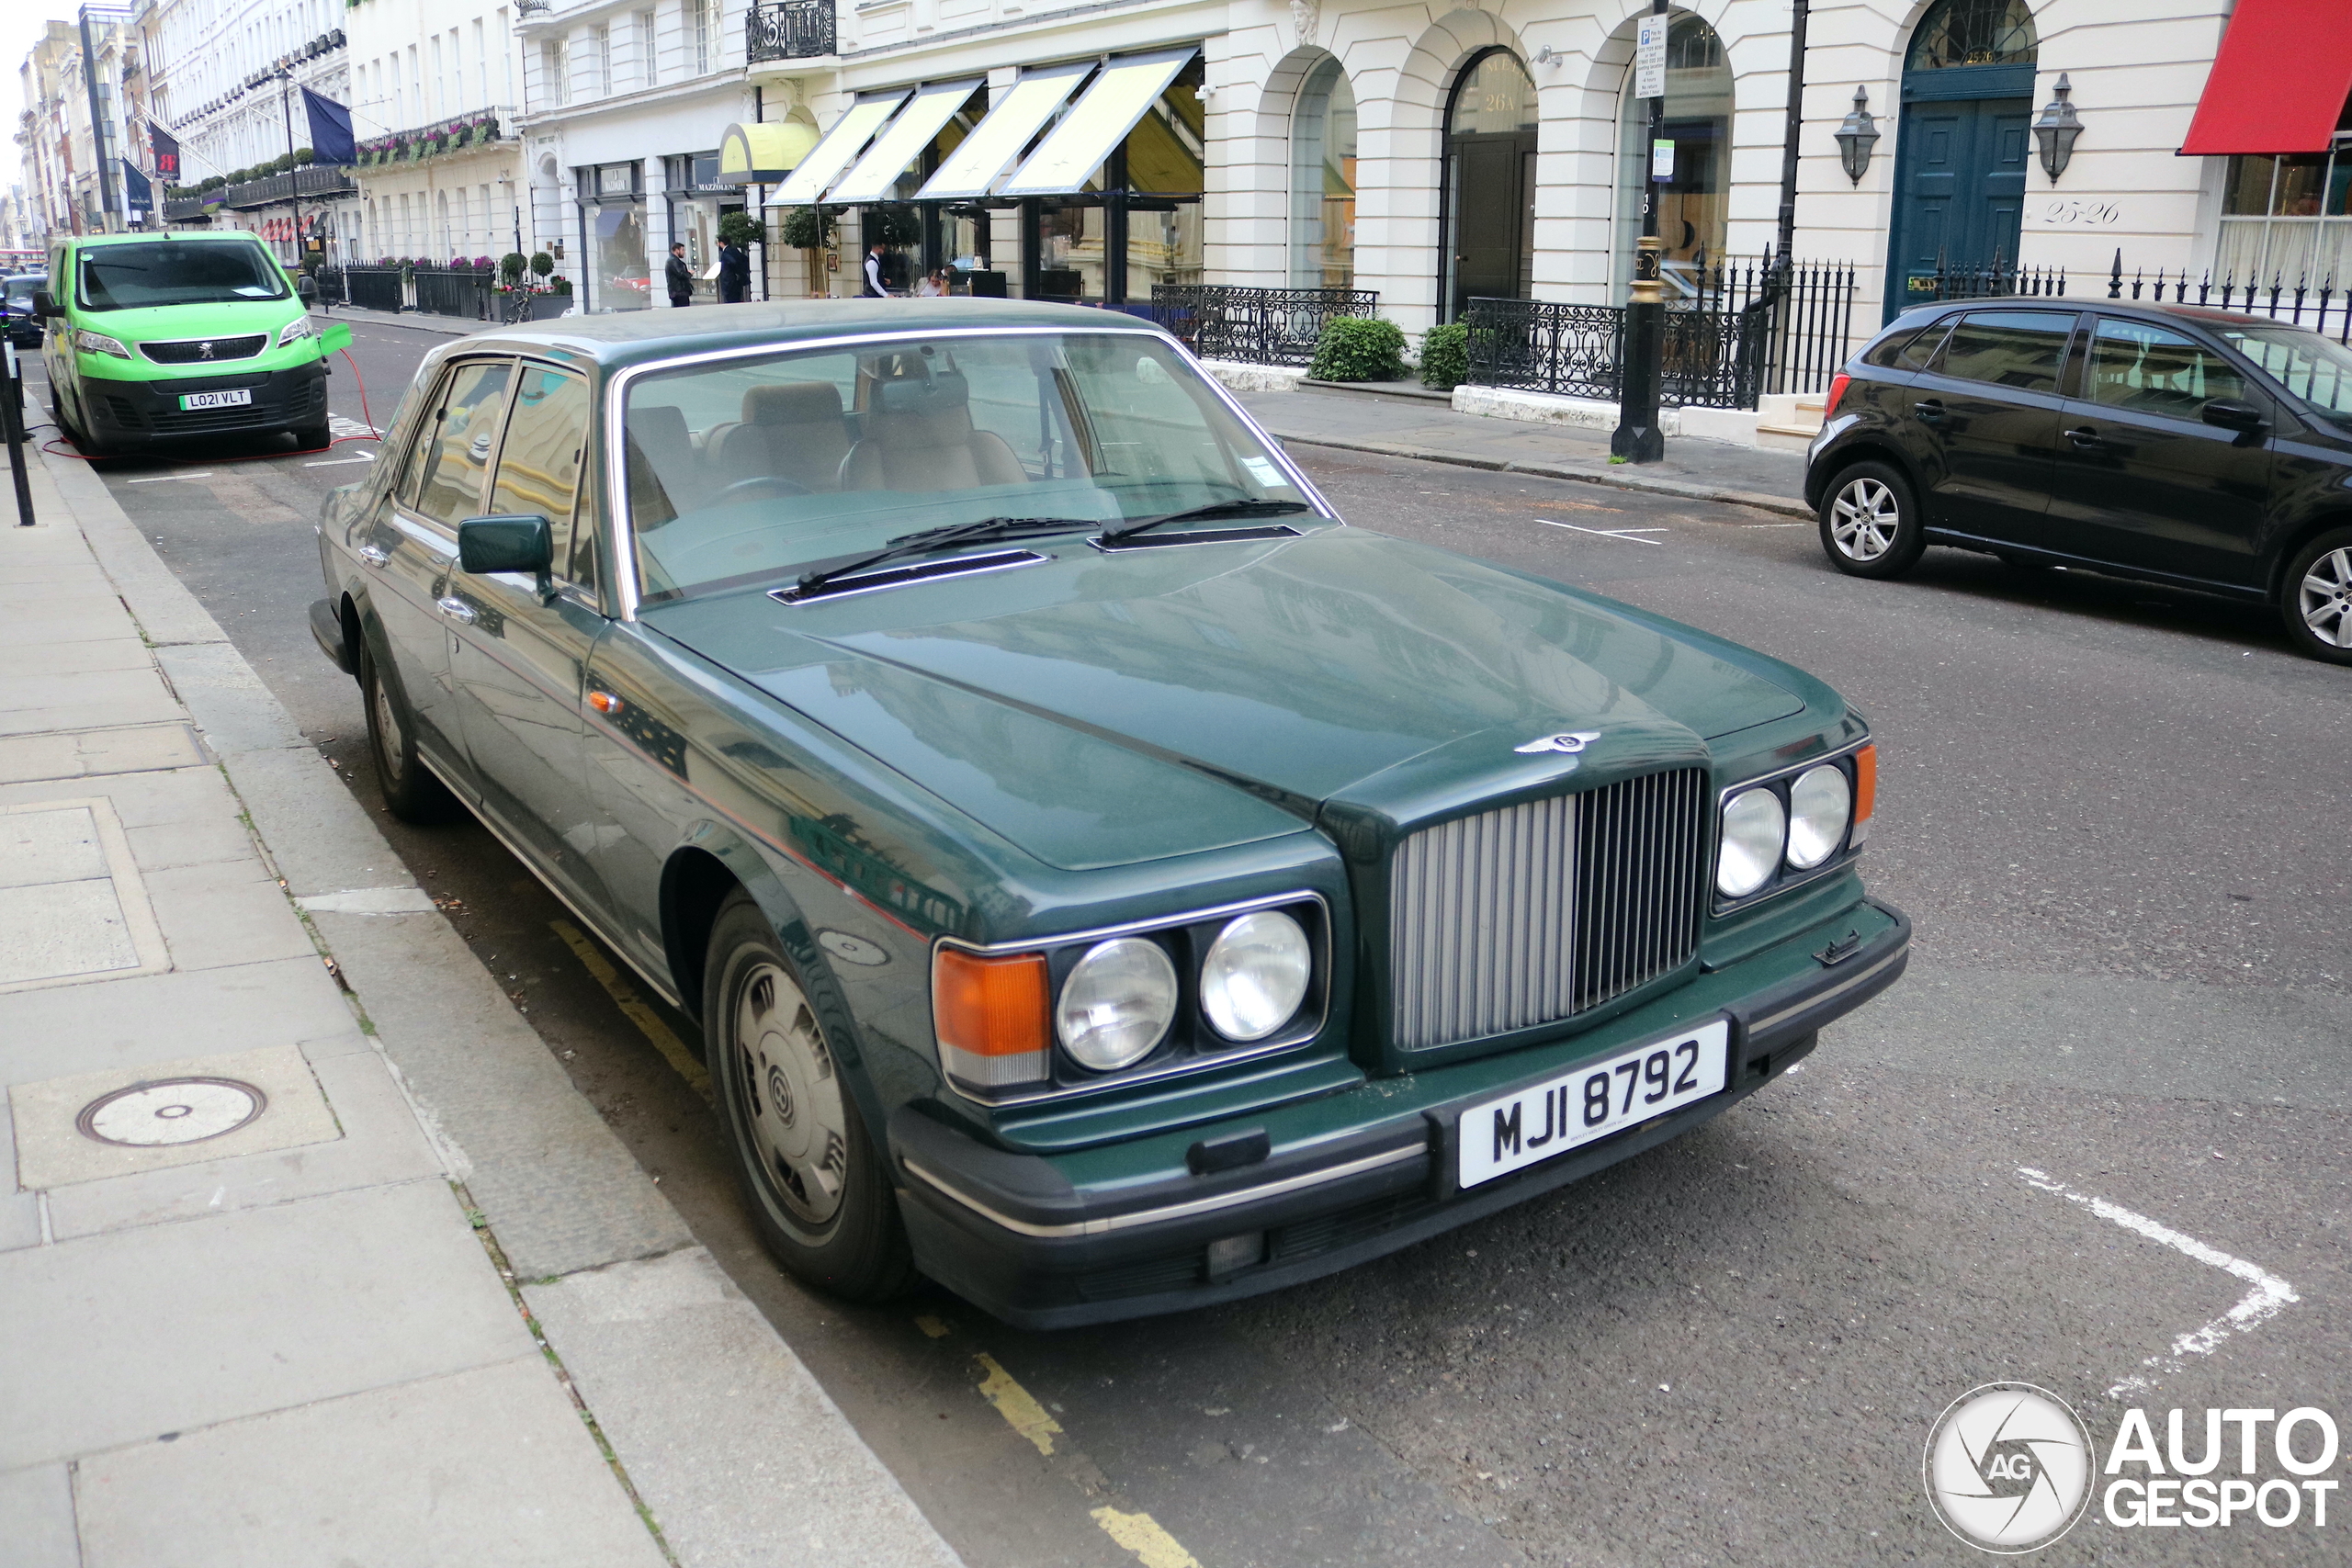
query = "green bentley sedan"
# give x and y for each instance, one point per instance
(1105, 882)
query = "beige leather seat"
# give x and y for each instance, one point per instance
(919, 436)
(791, 430)
(665, 472)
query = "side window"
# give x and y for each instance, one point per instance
(538, 463)
(2150, 369)
(456, 441)
(2018, 349)
(1921, 352)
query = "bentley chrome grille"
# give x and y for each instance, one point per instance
(1529, 914)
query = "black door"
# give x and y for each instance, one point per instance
(1988, 408)
(1960, 191)
(1492, 190)
(2141, 478)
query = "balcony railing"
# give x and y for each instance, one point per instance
(787, 29)
(457, 134)
(322, 184)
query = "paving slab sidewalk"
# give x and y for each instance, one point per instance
(279, 1170)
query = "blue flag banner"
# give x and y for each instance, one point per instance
(330, 129)
(167, 153)
(138, 195)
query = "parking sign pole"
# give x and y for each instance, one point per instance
(1637, 438)
(12, 415)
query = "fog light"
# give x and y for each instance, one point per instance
(1230, 1255)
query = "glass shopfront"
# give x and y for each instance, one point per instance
(621, 273)
(695, 202)
(1136, 222)
(1323, 181)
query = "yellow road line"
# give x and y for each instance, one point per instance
(932, 1327)
(1141, 1534)
(633, 1007)
(1013, 1403)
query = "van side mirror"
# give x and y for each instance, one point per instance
(524, 543)
(45, 305)
(306, 289)
(2230, 414)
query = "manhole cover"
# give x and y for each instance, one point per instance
(176, 1110)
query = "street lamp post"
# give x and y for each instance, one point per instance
(1637, 438)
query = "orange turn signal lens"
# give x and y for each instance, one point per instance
(1865, 792)
(991, 1017)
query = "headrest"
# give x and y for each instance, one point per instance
(659, 425)
(920, 397)
(792, 402)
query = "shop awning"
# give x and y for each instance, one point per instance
(844, 142)
(761, 154)
(2279, 81)
(997, 141)
(1121, 94)
(925, 116)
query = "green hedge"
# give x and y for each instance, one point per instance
(1359, 348)
(1445, 356)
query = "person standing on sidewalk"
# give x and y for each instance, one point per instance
(734, 273)
(679, 276)
(875, 287)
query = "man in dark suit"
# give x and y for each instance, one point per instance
(734, 274)
(679, 276)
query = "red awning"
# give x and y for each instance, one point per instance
(2279, 83)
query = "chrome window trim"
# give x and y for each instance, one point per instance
(1287, 1040)
(1720, 906)
(628, 591)
(1188, 1207)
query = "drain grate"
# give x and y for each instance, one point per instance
(172, 1110)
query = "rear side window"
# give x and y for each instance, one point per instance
(2018, 349)
(2152, 369)
(444, 482)
(538, 462)
(1907, 349)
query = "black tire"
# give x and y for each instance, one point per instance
(82, 443)
(1870, 521)
(812, 1176)
(412, 793)
(312, 438)
(2315, 597)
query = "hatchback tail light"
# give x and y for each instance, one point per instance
(1836, 390)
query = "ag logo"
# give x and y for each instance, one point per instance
(2008, 1468)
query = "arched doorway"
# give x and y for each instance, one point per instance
(1489, 227)
(1963, 145)
(1694, 203)
(1323, 181)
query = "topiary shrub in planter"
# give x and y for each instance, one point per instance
(738, 229)
(1445, 356)
(806, 227)
(510, 268)
(542, 263)
(1359, 348)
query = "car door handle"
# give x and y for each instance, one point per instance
(373, 557)
(2086, 438)
(456, 610)
(1931, 410)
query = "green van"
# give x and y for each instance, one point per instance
(163, 336)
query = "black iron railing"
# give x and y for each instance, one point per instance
(787, 29)
(443, 291)
(1737, 333)
(2323, 307)
(322, 183)
(1259, 326)
(2002, 279)
(373, 288)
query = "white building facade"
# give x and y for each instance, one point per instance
(436, 95)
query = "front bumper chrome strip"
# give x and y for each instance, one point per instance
(1807, 1004)
(1167, 1211)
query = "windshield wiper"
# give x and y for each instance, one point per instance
(925, 540)
(1214, 509)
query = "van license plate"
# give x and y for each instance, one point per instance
(1548, 1119)
(235, 400)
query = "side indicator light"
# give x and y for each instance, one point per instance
(1865, 794)
(991, 1017)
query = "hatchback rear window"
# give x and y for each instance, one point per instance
(2019, 349)
(177, 271)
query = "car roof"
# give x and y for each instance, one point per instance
(625, 337)
(2146, 309)
(164, 236)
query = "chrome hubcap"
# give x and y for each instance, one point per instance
(790, 1095)
(391, 740)
(2325, 598)
(1863, 520)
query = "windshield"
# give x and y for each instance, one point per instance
(21, 292)
(743, 471)
(177, 271)
(2306, 363)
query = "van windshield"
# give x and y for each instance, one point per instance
(177, 271)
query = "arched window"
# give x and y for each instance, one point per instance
(1323, 181)
(1694, 202)
(1973, 32)
(1489, 229)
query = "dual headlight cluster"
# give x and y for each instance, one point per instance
(1786, 828)
(1076, 1012)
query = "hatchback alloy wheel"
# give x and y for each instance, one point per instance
(790, 1095)
(1870, 525)
(1865, 518)
(2325, 598)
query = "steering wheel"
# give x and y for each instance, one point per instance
(784, 486)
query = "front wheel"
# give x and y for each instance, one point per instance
(312, 437)
(2316, 598)
(816, 1184)
(1870, 521)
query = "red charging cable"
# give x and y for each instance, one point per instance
(52, 447)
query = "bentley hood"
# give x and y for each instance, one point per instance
(1104, 708)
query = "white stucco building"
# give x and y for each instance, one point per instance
(435, 88)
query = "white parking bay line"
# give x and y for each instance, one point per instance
(167, 479)
(1631, 535)
(339, 462)
(2269, 1296)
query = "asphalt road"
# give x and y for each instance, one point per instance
(2116, 815)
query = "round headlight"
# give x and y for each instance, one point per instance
(1255, 974)
(1117, 1004)
(1754, 826)
(1819, 803)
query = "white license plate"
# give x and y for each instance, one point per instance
(238, 399)
(1532, 1125)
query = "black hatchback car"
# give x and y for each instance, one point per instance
(16, 294)
(2188, 447)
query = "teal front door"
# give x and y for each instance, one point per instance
(1960, 189)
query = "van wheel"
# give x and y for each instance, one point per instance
(411, 791)
(2316, 598)
(312, 438)
(1870, 523)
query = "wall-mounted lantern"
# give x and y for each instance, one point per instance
(2054, 131)
(1857, 136)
